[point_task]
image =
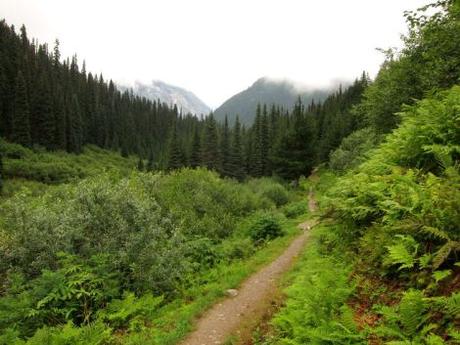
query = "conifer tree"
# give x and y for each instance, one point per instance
(225, 149)
(236, 161)
(60, 133)
(21, 120)
(257, 168)
(264, 142)
(210, 151)
(140, 164)
(74, 127)
(195, 156)
(150, 162)
(1, 171)
(44, 121)
(175, 155)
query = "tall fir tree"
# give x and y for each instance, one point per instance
(74, 127)
(236, 161)
(175, 155)
(44, 121)
(210, 149)
(21, 118)
(195, 155)
(257, 168)
(225, 149)
(1, 170)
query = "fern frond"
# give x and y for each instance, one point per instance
(411, 310)
(435, 232)
(443, 253)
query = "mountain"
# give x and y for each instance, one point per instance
(171, 94)
(266, 91)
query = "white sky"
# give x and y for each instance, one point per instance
(216, 48)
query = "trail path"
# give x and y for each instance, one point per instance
(226, 317)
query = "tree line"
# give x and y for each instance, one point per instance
(54, 103)
(283, 142)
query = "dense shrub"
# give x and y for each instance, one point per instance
(264, 226)
(269, 188)
(295, 209)
(352, 150)
(60, 167)
(124, 240)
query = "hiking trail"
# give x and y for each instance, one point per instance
(249, 302)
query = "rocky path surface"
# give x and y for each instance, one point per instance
(247, 303)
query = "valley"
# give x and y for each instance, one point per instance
(327, 216)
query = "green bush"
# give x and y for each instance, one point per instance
(270, 189)
(352, 151)
(264, 227)
(295, 209)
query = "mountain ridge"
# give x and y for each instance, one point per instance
(185, 100)
(269, 91)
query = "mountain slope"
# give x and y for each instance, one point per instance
(266, 91)
(171, 94)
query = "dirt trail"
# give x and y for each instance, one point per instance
(226, 317)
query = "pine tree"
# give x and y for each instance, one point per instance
(295, 153)
(236, 161)
(210, 151)
(44, 128)
(225, 149)
(74, 127)
(151, 162)
(60, 125)
(1, 172)
(140, 164)
(195, 156)
(21, 121)
(264, 142)
(257, 168)
(175, 155)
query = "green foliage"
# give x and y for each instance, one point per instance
(295, 209)
(147, 235)
(353, 149)
(60, 167)
(264, 227)
(268, 188)
(316, 310)
(403, 252)
(129, 311)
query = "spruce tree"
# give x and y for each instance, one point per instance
(195, 156)
(74, 127)
(236, 161)
(210, 151)
(1, 171)
(21, 121)
(140, 164)
(175, 155)
(44, 120)
(225, 149)
(264, 142)
(151, 162)
(257, 167)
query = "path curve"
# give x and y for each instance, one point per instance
(223, 319)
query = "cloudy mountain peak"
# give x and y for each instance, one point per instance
(170, 94)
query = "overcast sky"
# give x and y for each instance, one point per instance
(217, 48)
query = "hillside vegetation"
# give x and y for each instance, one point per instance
(100, 247)
(100, 259)
(383, 266)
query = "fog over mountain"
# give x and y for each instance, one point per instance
(268, 91)
(170, 94)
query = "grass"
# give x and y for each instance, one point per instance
(175, 320)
